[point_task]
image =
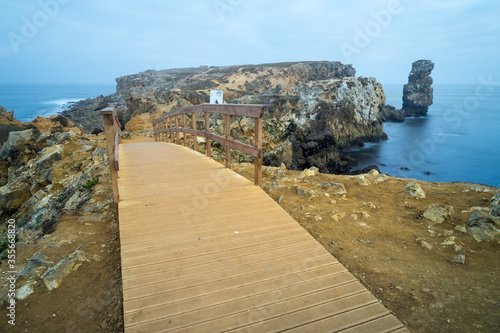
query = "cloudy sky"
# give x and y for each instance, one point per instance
(91, 41)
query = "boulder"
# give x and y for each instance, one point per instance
(14, 195)
(54, 276)
(391, 114)
(418, 94)
(17, 141)
(495, 211)
(48, 156)
(482, 227)
(415, 190)
(335, 188)
(36, 263)
(311, 172)
(438, 214)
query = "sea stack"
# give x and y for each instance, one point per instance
(418, 94)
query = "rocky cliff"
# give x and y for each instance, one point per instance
(316, 107)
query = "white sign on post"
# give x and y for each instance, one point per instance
(216, 97)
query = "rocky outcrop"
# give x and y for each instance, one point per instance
(317, 118)
(316, 107)
(482, 227)
(418, 93)
(17, 141)
(391, 114)
(86, 114)
(54, 276)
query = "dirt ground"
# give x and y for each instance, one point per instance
(377, 230)
(89, 299)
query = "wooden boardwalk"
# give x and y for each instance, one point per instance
(204, 250)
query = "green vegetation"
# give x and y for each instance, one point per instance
(91, 183)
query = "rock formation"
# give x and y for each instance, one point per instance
(317, 107)
(418, 93)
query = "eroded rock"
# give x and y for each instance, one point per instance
(482, 227)
(17, 142)
(438, 214)
(415, 190)
(418, 94)
(54, 276)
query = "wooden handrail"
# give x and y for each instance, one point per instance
(168, 124)
(113, 132)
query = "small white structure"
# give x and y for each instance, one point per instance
(216, 97)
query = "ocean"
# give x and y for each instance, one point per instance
(457, 141)
(32, 100)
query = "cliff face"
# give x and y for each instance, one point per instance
(317, 107)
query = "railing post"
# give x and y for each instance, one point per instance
(195, 138)
(207, 129)
(110, 128)
(167, 125)
(177, 127)
(258, 145)
(228, 136)
(184, 126)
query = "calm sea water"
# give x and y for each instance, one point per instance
(30, 101)
(458, 140)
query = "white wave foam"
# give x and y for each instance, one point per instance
(56, 106)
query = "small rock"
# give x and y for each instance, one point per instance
(415, 190)
(126, 135)
(461, 228)
(24, 291)
(301, 192)
(311, 172)
(87, 148)
(363, 181)
(335, 188)
(425, 245)
(460, 259)
(449, 241)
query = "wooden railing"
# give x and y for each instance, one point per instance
(167, 129)
(113, 131)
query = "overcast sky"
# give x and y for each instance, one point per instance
(91, 41)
